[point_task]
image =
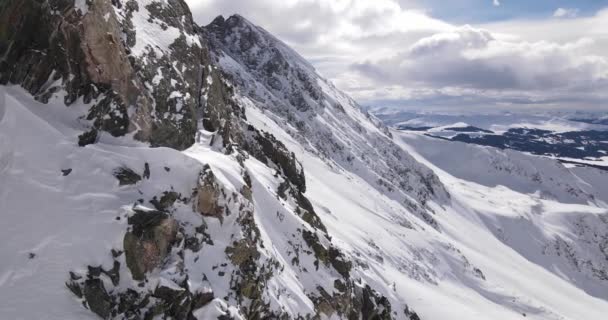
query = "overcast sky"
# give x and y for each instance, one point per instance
(456, 53)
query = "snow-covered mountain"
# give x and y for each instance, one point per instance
(151, 168)
(323, 120)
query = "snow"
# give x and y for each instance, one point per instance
(154, 36)
(497, 122)
(603, 161)
(193, 40)
(67, 222)
(420, 264)
(158, 77)
(492, 167)
(82, 6)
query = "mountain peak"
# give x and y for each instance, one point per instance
(219, 20)
(237, 18)
(232, 21)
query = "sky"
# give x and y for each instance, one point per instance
(461, 54)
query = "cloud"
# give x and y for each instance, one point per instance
(314, 24)
(473, 58)
(565, 13)
(394, 50)
(496, 3)
(468, 62)
(321, 20)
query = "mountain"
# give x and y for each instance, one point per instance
(153, 168)
(320, 118)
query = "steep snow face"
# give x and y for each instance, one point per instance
(492, 167)
(554, 217)
(503, 251)
(314, 113)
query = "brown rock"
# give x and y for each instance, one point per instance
(208, 195)
(147, 245)
(107, 63)
(207, 201)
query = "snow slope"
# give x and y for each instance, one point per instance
(500, 225)
(430, 269)
(52, 223)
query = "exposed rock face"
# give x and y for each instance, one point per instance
(35, 45)
(209, 195)
(131, 84)
(149, 242)
(98, 299)
(266, 148)
(353, 301)
(126, 176)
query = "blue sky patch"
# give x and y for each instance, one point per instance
(481, 11)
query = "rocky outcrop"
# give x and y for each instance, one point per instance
(209, 196)
(148, 244)
(329, 256)
(149, 241)
(126, 176)
(353, 300)
(266, 148)
(95, 54)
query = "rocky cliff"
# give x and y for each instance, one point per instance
(146, 82)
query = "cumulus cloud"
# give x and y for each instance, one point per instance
(565, 13)
(474, 65)
(496, 3)
(473, 58)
